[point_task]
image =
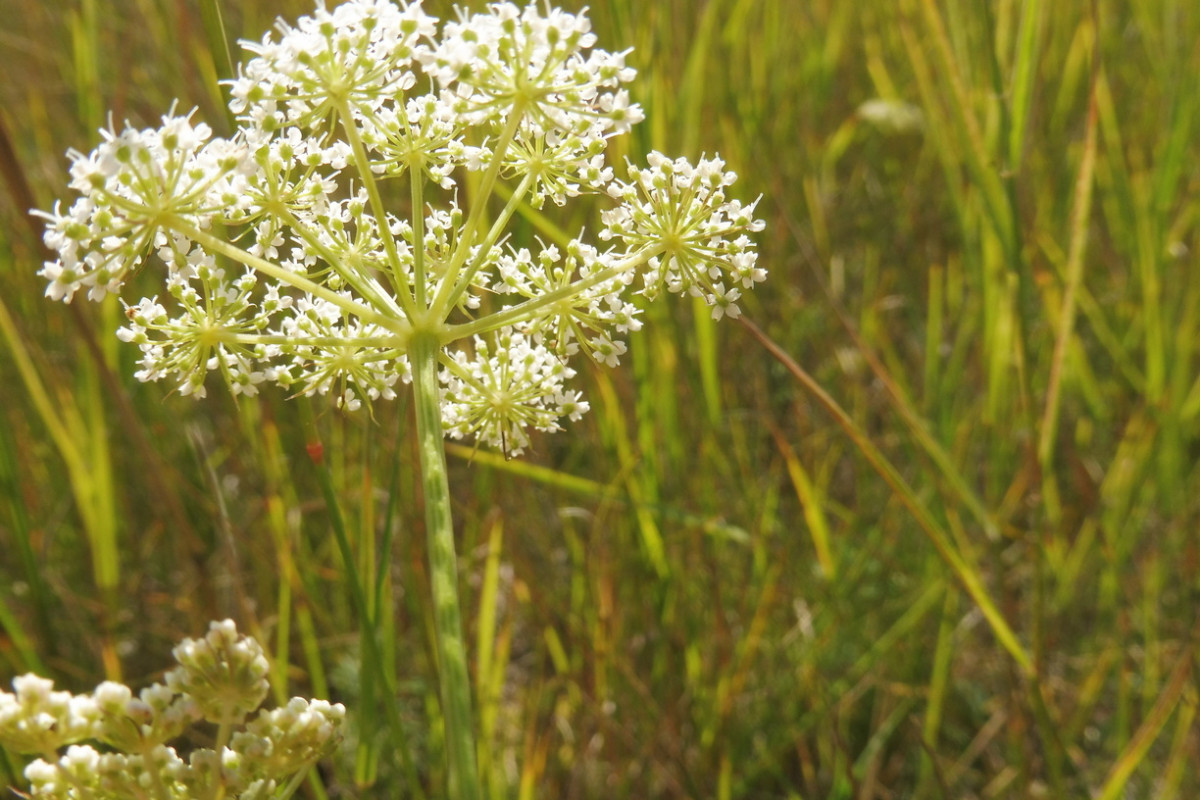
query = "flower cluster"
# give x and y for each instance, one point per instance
(364, 200)
(220, 678)
(506, 389)
(681, 212)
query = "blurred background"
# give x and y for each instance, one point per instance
(969, 570)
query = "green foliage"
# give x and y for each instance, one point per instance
(981, 220)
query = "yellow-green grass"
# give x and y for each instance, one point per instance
(967, 566)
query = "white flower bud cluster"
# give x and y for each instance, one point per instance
(225, 673)
(293, 254)
(36, 718)
(221, 677)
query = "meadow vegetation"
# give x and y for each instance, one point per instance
(925, 526)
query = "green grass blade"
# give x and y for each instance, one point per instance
(1080, 218)
(1024, 77)
(967, 575)
(1137, 748)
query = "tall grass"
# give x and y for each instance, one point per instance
(933, 536)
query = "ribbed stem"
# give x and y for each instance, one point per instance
(443, 570)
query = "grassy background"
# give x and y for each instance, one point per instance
(968, 570)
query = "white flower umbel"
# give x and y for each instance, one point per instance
(220, 677)
(282, 263)
(352, 235)
(506, 389)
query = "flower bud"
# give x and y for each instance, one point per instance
(37, 719)
(224, 673)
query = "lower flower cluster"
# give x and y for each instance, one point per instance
(117, 744)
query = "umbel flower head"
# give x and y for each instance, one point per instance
(220, 677)
(364, 199)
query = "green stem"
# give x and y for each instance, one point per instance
(52, 757)
(224, 733)
(396, 343)
(531, 307)
(292, 785)
(377, 208)
(217, 245)
(356, 275)
(466, 241)
(416, 188)
(443, 568)
(156, 782)
(493, 235)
